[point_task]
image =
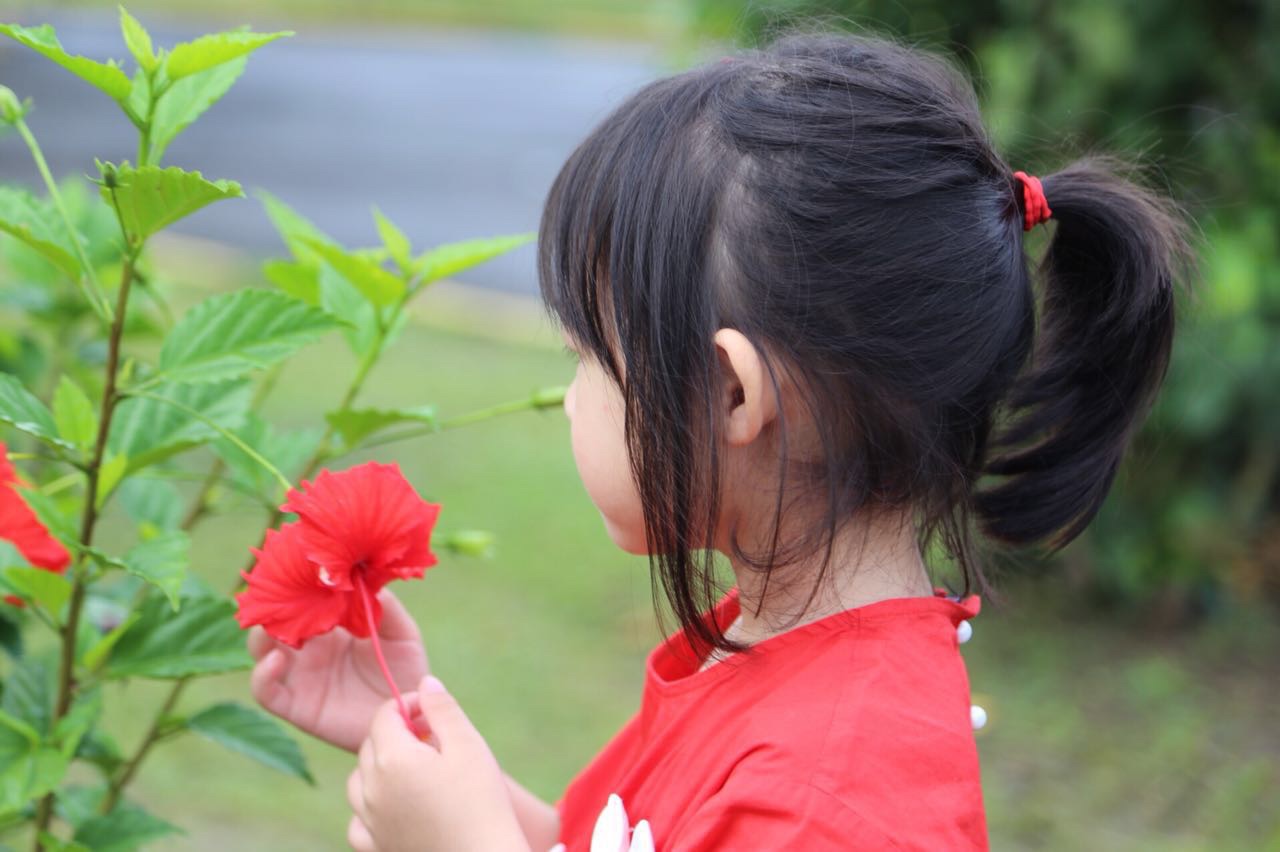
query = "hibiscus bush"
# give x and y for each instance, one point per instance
(111, 404)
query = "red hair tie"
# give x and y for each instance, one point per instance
(1034, 204)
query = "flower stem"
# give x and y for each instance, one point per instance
(377, 647)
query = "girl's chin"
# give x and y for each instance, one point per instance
(628, 539)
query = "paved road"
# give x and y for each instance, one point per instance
(452, 135)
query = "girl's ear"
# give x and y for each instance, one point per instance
(750, 402)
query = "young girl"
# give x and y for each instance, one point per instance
(809, 342)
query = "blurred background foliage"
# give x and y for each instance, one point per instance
(1107, 731)
(1190, 92)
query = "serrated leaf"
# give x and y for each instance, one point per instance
(127, 828)
(162, 562)
(147, 430)
(254, 734)
(151, 198)
(376, 284)
(201, 638)
(229, 335)
(49, 590)
(188, 99)
(138, 40)
(43, 40)
(211, 51)
(394, 239)
(300, 280)
(357, 424)
(452, 258)
(76, 419)
(24, 412)
(26, 218)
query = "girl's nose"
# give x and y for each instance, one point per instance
(568, 400)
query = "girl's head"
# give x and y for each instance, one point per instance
(823, 235)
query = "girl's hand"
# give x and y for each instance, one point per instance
(332, 686)
(443, 794)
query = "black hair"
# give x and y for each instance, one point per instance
(838, 201)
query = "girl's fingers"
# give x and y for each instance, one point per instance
(267, 682)
(396, 622)
(366, 766)
(355, 794)
(358, 836)
(259, 642)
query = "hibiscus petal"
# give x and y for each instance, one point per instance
(19, 525)
(285, 593)
(365, 517)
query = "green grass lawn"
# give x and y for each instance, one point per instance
(1102, 736)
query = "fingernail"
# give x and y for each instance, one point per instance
(432, 684)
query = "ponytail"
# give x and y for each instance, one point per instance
(1104, 337)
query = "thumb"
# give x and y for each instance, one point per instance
(448, 722)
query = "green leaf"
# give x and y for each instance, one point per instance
(28, 694)
(232, 334)
(153, 502)
(126, 828)
(296, 230)
(10, 636)
(25, 217)
(24, 412)
(357, 424)
(147, 430)
(49, 590)
(109, 476)
(340, 298)
(252, 733)
(83, 714)
(76, 419)
(285, 450)
(376, 284)
(186, 100)
(43, 40)
(161, 561)
(394, 239)
(98, 652)
(300, 280)
(138, 40)
(50, 842)
(28, 768)
(151, 198)
(211, 51)
(452, 258)
(201, 638)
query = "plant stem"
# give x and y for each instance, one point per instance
(88, 521)
(126, 773)
(92, 291)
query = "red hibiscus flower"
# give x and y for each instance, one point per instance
(356, 531)
(20, 526)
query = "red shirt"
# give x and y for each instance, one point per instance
(850, 732)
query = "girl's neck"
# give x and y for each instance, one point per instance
(870, 562)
